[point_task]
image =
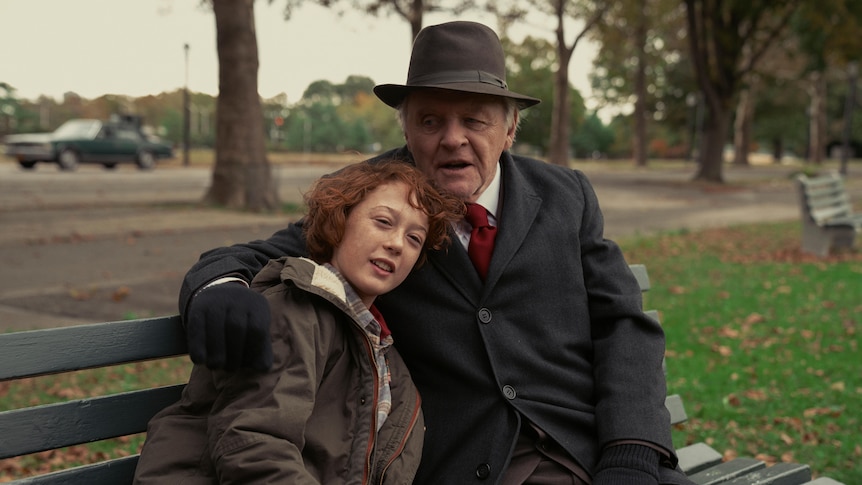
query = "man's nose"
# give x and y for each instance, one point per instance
(454, 134)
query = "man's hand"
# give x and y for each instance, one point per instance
(627, 465)
(227, 327)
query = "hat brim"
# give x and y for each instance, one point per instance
(394, 94)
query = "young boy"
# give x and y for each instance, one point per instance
(338, 404)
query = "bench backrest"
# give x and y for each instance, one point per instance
(823, 198)
(67, 349)
(673, 402)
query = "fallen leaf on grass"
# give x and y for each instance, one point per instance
(755, 394)
(754, 318)
(732, 400)
(768, 459)
(722, 350)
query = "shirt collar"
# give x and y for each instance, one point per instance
(490, 198)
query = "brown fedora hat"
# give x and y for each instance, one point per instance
(459, 56)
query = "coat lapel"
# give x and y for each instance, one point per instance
(519, 208)
(518, 211)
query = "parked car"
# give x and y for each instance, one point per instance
(77, 141)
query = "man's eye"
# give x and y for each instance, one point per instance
(417, 239)
(383, 220)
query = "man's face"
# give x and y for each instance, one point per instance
(456, 138)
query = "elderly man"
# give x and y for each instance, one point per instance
(527, 341)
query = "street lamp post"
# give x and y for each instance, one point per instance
(186, 121)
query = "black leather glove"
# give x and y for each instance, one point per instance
(627, 465)
(227, 327)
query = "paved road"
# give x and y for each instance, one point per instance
(98, 245)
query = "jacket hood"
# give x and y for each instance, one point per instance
(309, 276)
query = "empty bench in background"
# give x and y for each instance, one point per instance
(828, 221)
(67, 349)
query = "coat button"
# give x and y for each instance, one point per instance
(483, 471)
(509, 392)
(485, 315)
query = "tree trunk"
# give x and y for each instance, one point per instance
(817, 119)
(414, 17)
(714, 137)
(558, 152)
(742, 128)
(242, 178)
(559, 143)
(639, 144)
(849, 105)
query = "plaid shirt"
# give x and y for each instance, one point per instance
(379, 339)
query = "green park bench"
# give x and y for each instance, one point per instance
(828, 221)
(67, 349)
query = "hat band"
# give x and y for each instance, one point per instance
(450, 77)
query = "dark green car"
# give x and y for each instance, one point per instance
(118, 140)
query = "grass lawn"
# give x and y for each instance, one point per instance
(762, 344)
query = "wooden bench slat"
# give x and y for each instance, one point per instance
(823, 481)
(48, 351)
(722, 472)
(674, 405)
(828, 179)
(778, 474)
(827, 214)
(112, 472)
(854, 221)
(835, 198)
(828, 187)
(40, 428)
(640, 272)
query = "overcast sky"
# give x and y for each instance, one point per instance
(135, 47)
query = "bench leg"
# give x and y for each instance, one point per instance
(822, 240)
(815, 240)
(843, 237)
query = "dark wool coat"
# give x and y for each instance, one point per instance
(556, 334)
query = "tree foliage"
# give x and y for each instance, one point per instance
(727, 40)
(643, 70)
(411, 11)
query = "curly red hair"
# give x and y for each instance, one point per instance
(331, 198)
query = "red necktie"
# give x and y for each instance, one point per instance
(481, 238)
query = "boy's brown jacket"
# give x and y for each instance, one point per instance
(310, 419)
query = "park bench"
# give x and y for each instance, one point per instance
(828, 221)
(67, 349)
